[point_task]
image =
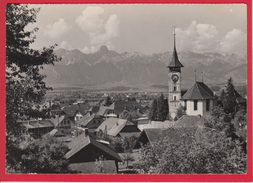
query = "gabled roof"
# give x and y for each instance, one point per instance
(94, 109)
(171, 135)
(70, 110)
(198, 91)
(110, 123)
(86, 119)
(84, 140)
(56, 133)
(57, 120)
(114, 131)
(239, 98)
(102, 110)
(189, 121)
(120, 105)
(38, 124)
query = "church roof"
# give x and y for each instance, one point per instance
(175, 61)
(199, 91)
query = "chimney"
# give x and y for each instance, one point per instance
(86, 131)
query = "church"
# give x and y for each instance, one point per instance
(199, 98)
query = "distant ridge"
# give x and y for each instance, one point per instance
(106, 66)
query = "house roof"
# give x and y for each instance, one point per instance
(94, 109)
(115, 129)
(84, 121)
(102, 110)
(120, 105)
(56, 133)
(171, 135)
(189, 121)
(129, 134)
(70, 110)
(38, 124)
(109, 123)
(198, 91)
(239, 98)
(84, 140)
(175, 61)
(58, 120)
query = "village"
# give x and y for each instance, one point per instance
(73, 105)
(105, 132)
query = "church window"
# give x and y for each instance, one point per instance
(175, 88)
(185, 105)
(195, 105)
(175, 98)
(207, 105)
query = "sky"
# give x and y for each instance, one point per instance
(145, 28)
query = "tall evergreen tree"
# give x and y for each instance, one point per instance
(159, 109)
(108, 101)
(229, 101)
(25, 86)
(153, 110)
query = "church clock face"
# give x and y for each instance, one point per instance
(174, 78)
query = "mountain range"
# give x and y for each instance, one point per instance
(109, 67)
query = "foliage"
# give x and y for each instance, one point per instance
(180, 112)
(159, 109)
(25, 88)
(127, 157)
(99, 167)
(221, 121)
(229, 101)
(240, 124)
(152, 110)
(45, 155)
(217, 154)
(130, 115)
(108, 101)
(117, 144)
(129, 143)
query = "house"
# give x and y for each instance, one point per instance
(56, 109)
(199, 100)
(118, 127)
(56, 133)
(107, 112)
(90, 121)
(64, 123)
(37, 128)
(86, 147)
(171, 135)
(117, 107)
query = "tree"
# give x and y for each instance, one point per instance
(159, 109)
(130, 115)
(162, 108)
(108, 101)
(180, 112)
(153, 110)
(25, 87)
(229, 101)
(45, 155)
(240, 124)
(209, 152)
(127, 157)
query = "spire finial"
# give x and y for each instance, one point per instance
(202, 76)
(195, 76)
(174, 32)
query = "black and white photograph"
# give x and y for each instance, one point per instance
(126, 88)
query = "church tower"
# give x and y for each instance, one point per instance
(174, 82)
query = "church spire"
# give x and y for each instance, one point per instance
(175, 61)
